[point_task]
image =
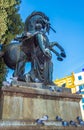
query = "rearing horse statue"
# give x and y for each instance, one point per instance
(33, 46)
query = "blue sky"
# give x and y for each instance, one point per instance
(67, 18)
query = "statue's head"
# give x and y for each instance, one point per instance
(37, 21)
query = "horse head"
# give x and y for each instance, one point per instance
(37, 18)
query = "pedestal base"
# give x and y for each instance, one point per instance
(32, 103)
(29, 104)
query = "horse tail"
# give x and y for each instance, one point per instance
(1, 51)
(1, 54)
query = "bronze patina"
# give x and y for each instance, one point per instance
(33, 46)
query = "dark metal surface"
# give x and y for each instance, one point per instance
(33, 46)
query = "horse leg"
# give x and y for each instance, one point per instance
(20, 66)
(48, 70)
(59, 47)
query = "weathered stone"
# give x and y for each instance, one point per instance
(32, 103)
(28, 125)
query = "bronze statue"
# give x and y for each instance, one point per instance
(33, 46)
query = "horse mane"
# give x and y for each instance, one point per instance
(34, 13)
(29, 20)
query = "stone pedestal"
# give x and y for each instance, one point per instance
(28, 104)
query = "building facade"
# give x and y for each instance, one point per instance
(67, 81)
(76, 82)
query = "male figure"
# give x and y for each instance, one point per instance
(42, 67)
(36, 40)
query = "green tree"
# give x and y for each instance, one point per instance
(10, 25)
(13, 24)
(3, 21)
(3, 71)
(4, 4)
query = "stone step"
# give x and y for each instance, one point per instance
(40, 128)
(32, 125)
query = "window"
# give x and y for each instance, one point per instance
(80, 77)
(83, 107)
(80, 87)
(82, 100)
(82, 92)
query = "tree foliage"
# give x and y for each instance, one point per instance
(3, 71)
(10, 25)
(10, 20)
